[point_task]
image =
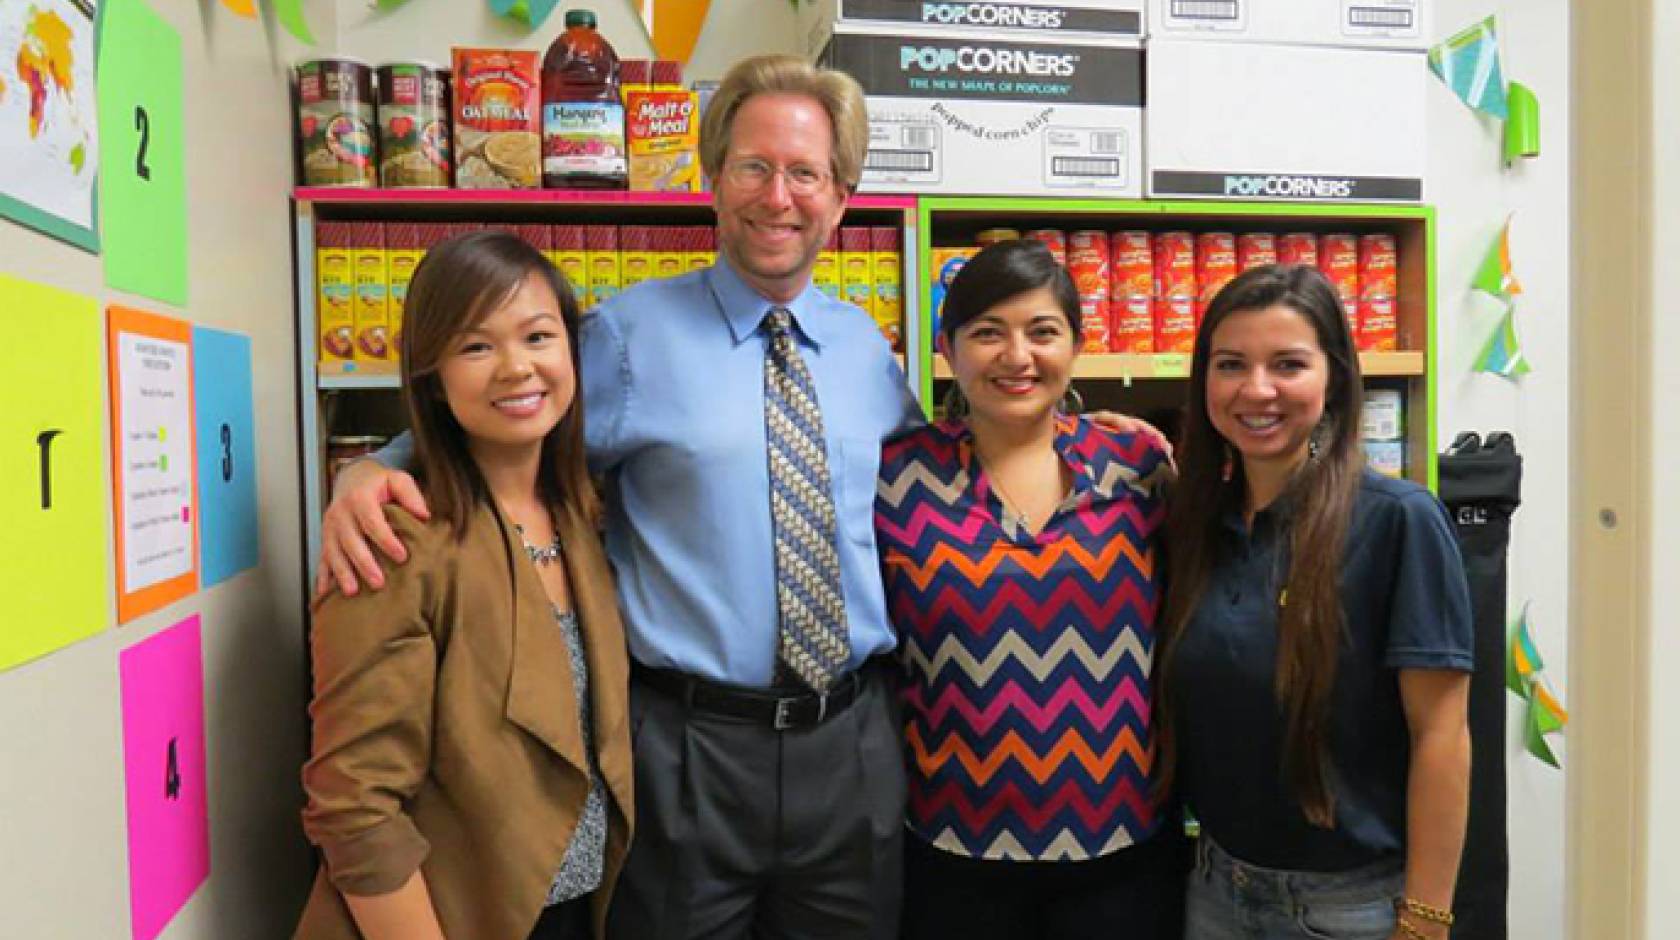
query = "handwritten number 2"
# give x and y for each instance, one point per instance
(143, 124)
(227, 453)
(172, 775)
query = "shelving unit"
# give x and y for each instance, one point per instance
(350, 391)
(1137, 383)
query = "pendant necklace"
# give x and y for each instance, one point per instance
(541, 557)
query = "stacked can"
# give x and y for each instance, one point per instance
(1087, 264)
(1379, 284)
(1255, 249)
(1338, 258)
(1383, 431)
(1053, 239)
(1175, 292)
(571, 256)
(1131, 292)
(1216, 265)
(1298, 248)
(826, 274)
(857, 273)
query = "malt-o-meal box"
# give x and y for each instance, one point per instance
(1379, 24)
(971, 113)
(1298, 123)
(1074, 20)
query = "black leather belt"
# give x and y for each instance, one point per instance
(763, 706)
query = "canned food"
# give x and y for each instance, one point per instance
(1216, 265)
(335, 123)
(343, 450)
(414, 146)
(1175, 266)
(1298, 248)
(1087, 264)
(498, 121)
(1053, 239)
(1255, 249)
(1379, 266)
(1379, 324)
(1338, 258)
(1175, 324)
(992, 236)
(1133, 324)
(1093, 324)
(1131, 266)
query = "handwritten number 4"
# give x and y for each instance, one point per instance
(143, 124)
(172, 775)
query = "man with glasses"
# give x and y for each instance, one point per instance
(737, 416)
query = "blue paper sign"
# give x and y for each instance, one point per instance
(227, 454)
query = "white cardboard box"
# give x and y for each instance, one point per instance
(1073, 20)
(1258, 121)
(1390, 24)
(962, 113)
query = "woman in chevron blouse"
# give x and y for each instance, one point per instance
(1019, 550)
(1316, 644)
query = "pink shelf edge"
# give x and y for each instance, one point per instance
(330, 194)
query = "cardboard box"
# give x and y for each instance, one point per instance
(1382, 24)
(966, 113)
(1256, 121)
(1073, 20)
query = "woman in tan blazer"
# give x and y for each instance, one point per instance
(470, 774)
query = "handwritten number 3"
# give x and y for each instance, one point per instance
(227, 453)
(143, 124)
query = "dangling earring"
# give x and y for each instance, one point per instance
(1229, 467)
(1072, 402)
(955, 403)
(1315, 441)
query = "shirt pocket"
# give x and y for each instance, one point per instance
(857, 462)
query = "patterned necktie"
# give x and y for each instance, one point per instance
(812, 645)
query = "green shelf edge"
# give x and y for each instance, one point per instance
(928, 206)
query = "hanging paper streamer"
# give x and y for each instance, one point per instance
(1469, 65)
(290, 15)
(246, 8)
(390, 4)
(673, 26)
(1503, 353)
(1522, 128)
(1495, 276)
(1545, 714)
(530, 12)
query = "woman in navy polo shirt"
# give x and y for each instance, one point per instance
(1316, 641)
(1020, 559)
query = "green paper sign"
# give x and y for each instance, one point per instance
(1522, 128)
(142, 151)
(1535, 739)
(290, 15)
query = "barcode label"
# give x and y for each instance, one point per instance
(899, 161)
(1379, 18)
(1108, 142)
(920, 138)
(1089, 167)
(1206, 9)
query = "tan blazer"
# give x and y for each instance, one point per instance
(446, 731)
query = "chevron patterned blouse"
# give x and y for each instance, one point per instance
(1026, 729)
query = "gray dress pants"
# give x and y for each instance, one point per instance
(743, 831)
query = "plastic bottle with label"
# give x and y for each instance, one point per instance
(583, 115)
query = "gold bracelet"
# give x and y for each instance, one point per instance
(1409, 930)
(1435, 915)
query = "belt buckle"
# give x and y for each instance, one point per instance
(783, 719)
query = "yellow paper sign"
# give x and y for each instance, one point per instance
(55, 585)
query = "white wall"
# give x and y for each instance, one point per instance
(1663, 846)
(1472, 195)
(63, 868)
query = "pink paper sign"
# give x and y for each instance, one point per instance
(163, 754)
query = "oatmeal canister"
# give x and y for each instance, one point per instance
(414, 147)
(498, 119)
(335, 123)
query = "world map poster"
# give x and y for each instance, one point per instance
(49, 140)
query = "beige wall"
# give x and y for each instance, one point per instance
(63, 868)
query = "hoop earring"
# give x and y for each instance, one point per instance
(1072, 402)
(955, 403)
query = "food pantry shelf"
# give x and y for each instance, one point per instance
(1126, 367)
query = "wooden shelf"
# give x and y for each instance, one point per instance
(1127, 367)
(338, 376)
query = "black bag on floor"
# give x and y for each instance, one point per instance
(1481, 483)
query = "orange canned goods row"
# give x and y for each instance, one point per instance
(1338, 258)
(1216, 266)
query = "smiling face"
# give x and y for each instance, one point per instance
(509, 379)
(1014, 361)
(1267, 379)
(771, 234)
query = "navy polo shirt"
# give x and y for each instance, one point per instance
(1407, 607)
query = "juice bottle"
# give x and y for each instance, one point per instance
(583, 116)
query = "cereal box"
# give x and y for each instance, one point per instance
(886, 262)
(572, 259)
(826, 274)
(604, 272)
(857, 274)
(335, 280)
(944, 263)
(373, 293)
(498, 119)
(662, 129)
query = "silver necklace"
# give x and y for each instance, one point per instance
(543, 556)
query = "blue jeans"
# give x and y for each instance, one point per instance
(1233, 900)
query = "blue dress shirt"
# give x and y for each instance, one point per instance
(673, 391)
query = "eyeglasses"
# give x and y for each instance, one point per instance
(751, 174)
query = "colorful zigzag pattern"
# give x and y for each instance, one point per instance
(1027, 729)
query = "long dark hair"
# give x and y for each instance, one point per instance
(460, 282)
(1321, 494)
